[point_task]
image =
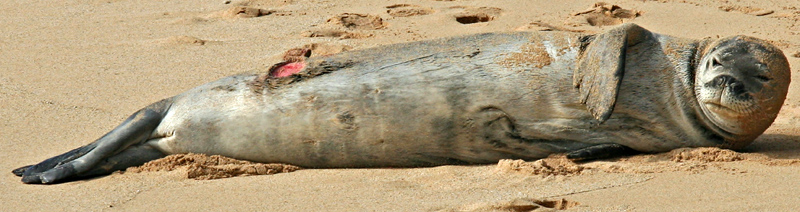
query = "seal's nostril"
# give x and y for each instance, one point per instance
(737, 87)
(721, 80)
(715, 62)
(726, 81)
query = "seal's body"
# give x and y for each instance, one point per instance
(431, 103)
(466, 100)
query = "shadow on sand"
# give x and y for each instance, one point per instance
(777, 146)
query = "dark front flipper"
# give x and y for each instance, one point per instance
(501, 131)
(103, 155)
(601, 151)
(601, 67)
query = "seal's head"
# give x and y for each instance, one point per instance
(740, 85)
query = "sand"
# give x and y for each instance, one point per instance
(72, 70)
(209, 167)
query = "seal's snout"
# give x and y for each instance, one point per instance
(736, 87)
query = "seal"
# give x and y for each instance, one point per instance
(465, 100)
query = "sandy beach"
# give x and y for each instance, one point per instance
(71, 71)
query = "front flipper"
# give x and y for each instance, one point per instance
(601, 67)
(600, 151)
(116, 150)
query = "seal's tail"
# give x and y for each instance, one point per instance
(116, 150)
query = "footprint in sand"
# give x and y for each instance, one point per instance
(324, 49)
(339, 26)
(357, 21)
(521, 204)
(407, 10)
(747, 10)
(541, 26)
(335, 33)
(299, 54)
(183, 40)
(471, 15)
(604, 14)
(261, 3)
(241, 12)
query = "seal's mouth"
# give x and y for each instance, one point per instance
(722, 109)
(727, 95)
(728, 101)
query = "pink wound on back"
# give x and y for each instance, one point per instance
(288, 69)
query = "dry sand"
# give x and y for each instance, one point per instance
(72, 70)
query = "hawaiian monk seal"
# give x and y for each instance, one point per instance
(465, 100)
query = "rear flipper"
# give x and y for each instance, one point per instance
(600, 151)
(121, 148)
(132, 156)
(21, 170)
